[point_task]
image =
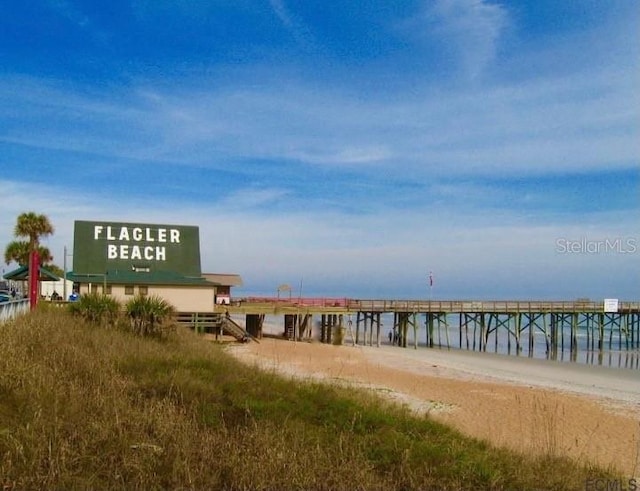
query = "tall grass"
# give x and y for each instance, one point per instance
(87, 408)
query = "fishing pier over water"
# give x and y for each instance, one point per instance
(519, 327)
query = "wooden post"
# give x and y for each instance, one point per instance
(532, 328)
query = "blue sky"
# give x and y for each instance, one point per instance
(350, 147)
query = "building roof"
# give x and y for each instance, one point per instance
(22, 273)
(129, 277)
(224, 279)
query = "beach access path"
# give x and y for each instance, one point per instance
(588, 413)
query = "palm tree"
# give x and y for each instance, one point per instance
(18, 251)
(34, 227)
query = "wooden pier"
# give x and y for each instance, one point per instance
(558, 326)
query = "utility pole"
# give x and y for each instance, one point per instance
(64, 278)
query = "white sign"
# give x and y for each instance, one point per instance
(610, 304)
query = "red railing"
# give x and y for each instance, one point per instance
(302, 301)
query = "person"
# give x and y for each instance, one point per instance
(54, 296)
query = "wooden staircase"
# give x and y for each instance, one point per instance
(236, 330)
(214, 323)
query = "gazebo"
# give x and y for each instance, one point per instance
(22, 274)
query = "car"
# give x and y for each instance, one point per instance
(5, 298)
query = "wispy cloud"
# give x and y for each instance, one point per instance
(70, 12)
(469, 29)
(555, 125)
(298, 29)
(251, 198)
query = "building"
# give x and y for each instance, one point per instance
(225, 282)
(129, 259)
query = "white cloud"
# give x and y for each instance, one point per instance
(564, 124)
(294, 25)
(469, 30)
(472, 253)
(70, 12)
(282, 12)
(252, 198)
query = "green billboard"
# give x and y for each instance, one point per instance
(100, 247)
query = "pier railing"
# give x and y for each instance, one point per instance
(437, 306)
(492, 306)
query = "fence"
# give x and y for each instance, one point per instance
(11, 309)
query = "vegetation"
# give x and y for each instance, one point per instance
(150, 316)
(142, 315)
(19, 251)
(89, 408)
(102, 310)
(32, 227)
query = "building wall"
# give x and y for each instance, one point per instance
(183, 298)
(48, 287)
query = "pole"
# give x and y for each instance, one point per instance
(64, 278)
(34, 270)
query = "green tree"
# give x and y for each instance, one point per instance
(32, 227)
(18, 251)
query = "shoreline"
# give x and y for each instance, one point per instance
(623, 359)
(600, 381)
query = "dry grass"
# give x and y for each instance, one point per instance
(83, 407)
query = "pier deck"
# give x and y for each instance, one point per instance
(347, 305)
(518, 326)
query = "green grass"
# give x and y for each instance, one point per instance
(83, 407)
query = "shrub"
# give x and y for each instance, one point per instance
(99, 309)
(150, 316)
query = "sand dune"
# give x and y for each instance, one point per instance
(585, 412)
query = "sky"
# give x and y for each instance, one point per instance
(347, 149)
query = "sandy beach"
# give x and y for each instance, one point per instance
(589, 413)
